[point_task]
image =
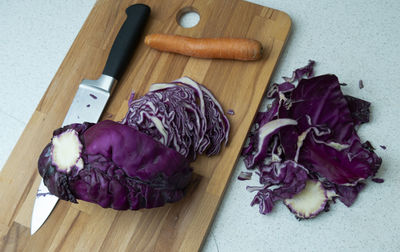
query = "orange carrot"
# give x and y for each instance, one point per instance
(222, 48)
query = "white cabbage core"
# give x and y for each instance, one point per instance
(310, 201)
(66, 151)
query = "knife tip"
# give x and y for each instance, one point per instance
(33, 230)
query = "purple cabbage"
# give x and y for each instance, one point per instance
(310, 202)
(323, 141)
(244, 175)
(359, 109)
(279, 181)
(338, 155)
(117, 167)
(182, 115)
(142, 162)
(301, 73)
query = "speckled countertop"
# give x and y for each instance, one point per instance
(352, 39)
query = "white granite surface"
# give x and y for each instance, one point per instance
(352, 39)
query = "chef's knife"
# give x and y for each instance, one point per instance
(92, 95)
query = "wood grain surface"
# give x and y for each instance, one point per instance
(239, 86)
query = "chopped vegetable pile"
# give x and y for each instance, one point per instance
(305, 147)
(142, 162)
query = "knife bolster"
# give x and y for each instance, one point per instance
(104, 82)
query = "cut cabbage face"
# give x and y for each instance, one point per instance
(66, 151)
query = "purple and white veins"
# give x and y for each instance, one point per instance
(305, 147)
(183, 115)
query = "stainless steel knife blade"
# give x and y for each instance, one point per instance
(92, 96)
(44, 204)
(87, 106)
(90, 100)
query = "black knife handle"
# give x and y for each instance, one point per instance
(127, 40)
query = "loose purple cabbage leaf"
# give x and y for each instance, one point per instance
(279, 181)
(301, 73)
(339, 155)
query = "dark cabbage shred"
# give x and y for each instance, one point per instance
(378, 180)
(323, 144)
(359, 109)
(360, 84)
(245, 175)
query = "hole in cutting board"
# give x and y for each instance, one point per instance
(188, 17)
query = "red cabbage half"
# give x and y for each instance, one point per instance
(321, 140)
(113, 165)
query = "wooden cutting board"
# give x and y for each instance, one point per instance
(239, 86)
